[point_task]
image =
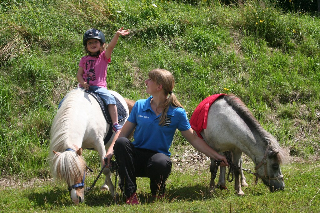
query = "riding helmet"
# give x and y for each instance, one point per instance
(93, 33)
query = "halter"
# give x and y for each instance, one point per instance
(264, 163)
(83, 179)
(78, 184)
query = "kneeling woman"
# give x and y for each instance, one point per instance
(155, 121)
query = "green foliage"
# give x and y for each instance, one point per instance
(297, 5)
(267, 57)
(279, 30)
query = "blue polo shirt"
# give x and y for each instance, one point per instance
(149, 134)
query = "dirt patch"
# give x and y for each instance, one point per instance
(15, 182)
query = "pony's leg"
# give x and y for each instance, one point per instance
(222, 178)
(243, 178)
(213, 171)
(236, 161)
(108, 185)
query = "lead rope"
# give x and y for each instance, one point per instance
(113, 168)
(95, 181)
(232, 167)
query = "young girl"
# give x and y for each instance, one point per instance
(155, 121)
(92, 71)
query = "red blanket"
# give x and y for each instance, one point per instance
(199, 117)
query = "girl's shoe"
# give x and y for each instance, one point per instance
(116, 127)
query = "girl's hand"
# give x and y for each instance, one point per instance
(123, 32)
(85, 86)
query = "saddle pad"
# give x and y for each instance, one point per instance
(198, 120)
(122, 114)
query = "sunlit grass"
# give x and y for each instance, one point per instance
(187, 191)
(270, 59)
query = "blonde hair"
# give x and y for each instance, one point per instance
(166, 79)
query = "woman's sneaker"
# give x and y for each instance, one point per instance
(133, 200)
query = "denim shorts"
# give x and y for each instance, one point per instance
(104, 94)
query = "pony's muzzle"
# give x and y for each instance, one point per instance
(276, 184)
(76, 199)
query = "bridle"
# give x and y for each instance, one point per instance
(113, 168)
(78, 184)
(264, 163)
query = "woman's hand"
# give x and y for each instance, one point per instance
(223, 160)
(108, 156)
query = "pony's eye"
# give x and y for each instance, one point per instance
(275, 166)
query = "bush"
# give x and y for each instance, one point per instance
(298, 5)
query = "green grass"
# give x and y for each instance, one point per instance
(267, 57)
(186, 192)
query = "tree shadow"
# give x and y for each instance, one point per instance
(56, 197)
(61, 197)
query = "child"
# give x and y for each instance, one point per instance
(92, 71)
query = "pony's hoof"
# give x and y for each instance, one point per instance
(212, 190)
(222, 187)
(244, 184)
(241, 193)
(104, 187)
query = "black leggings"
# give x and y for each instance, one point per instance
(133, 162)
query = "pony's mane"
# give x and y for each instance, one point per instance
(59, 127)
(255, 126)
(65, 165)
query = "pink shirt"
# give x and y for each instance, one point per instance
(96, 68)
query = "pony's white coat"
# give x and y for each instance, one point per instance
(79, 123)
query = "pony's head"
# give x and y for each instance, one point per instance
(268, 169)
(70, 166)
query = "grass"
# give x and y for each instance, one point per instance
(300, 195)
(267, 57)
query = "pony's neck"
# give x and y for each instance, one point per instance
(255, 149)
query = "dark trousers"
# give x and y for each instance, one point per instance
(133, 162)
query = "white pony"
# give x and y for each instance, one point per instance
(232, 127)
(79, 124)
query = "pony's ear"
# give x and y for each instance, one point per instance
(79, 151)
(56, 153)
(272, 154)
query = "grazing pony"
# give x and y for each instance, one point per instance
(228, 125)
(80, 124)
